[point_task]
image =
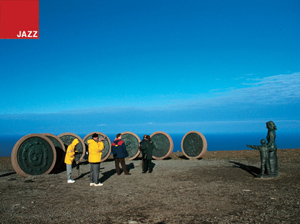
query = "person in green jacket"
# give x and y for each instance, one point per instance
(147, 146)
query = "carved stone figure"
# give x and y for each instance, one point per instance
(268, 153)
(264, 157)
(271, 135)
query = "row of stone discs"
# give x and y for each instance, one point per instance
(162, 141)
(36, 154)
(193, 145)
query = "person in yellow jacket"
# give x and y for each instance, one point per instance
(95, 153)
(69, 158)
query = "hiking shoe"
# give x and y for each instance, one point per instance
(92, 184)
(98, 185)
(71, 181)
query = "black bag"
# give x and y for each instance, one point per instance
(86, 156)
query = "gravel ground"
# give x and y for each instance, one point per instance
(222, 187)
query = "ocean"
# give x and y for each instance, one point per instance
(215, 142)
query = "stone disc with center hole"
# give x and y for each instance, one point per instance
(107, 144)
(60, 151)
(193, 145)
(33, 154)
(132, 142)
(67, 139)
(163, 145)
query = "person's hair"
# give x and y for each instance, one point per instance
(95, 135)
(118, 135)
(148, 137)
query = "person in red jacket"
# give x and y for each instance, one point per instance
(119, 152)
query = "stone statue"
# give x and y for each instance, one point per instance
(271, 135)
(264, 157)
(268, 153)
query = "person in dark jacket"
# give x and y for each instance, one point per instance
(147, 147)
(119, 152)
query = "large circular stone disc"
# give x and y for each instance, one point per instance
(163, 145)
(193, 145)
(60, 150)
(132, 142)
(107, 144)
(33, 154)
(67, 139)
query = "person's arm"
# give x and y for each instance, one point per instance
(124, 149)
(100, 146)
(253, 146)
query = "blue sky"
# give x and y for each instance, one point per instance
(146, 66)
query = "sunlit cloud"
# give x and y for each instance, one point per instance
(279, 89)
(275, 90)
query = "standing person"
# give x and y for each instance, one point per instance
(119, 152)
(147, 147)
(95, 153)
(69, 158)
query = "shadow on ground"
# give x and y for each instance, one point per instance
(250, 169)
(7, 174)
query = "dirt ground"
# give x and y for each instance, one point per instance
(222, 187)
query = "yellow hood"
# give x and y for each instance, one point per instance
(75, 142)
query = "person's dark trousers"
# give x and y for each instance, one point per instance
(147, 165)
(94, 174)
(122, 161)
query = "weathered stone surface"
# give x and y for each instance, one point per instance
(33, 154)
(163, 145)
(194, 145)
